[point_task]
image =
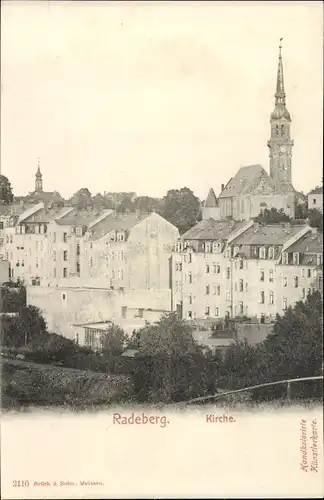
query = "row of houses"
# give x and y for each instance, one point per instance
(85, 269)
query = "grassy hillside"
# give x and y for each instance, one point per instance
(24, 383)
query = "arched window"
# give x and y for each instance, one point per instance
(277, 129)
(282, 130)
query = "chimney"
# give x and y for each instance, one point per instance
(222, 187)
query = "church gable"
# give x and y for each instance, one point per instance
(265, 186)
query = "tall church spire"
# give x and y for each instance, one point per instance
(280, 143)
(280, 91)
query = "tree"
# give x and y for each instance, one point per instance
(114, 340)
(126, 206)
(272, 216)
(182, 208)
(315, 219)
(101, 202)
(81, 199)
(145, 204)
(13, 296)
(171, 366)
(6, 195)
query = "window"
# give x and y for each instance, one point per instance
(314, 273)
(54, 237)
(64, 237)
(207, 310)
(271, 253)
(309, 273)
(64, 272)
(78, 267)
(228, 273)
(241, 308)
(78, 231)
(296, 281)
(65, 255)
(54, 256)
(54, 272)
(190, 277)
(214, 289)
(314, 201)
(320, 283)
(78, 249)
(319, 259)
(308, 291)
(282, 130)
(190, 298)
(296, 258)
(207, 289)
(63, 296)
(121, 274)
(207, 268)
(36, 261)
(241, 286)
(285, 258)
(190, 314)
(215, 246)
(303, 273)
(261, 275)
(218, 289)
(228, 252)
(217, 268)
(189, 258)
(271, 275)
(262, 297)
(303, 293)
(214, 268)
(285, 281)
(284, 304)
(112, 255)
(277, 130)
(228, 295)
(241, 264)
(262, 253)
(235, 251)
(271, 298)
(113, 274)
(262, 318)
(207, 247)
(216, 311)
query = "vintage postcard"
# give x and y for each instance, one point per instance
(161, 249)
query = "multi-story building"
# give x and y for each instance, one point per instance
(299, 270)
(130, 250)
(255, 256)
(201, 269)
(315, 199)
(234, 269)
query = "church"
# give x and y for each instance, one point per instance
(252, 189)
(49, 198)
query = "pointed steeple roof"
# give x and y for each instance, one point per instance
(211, 201)
(38, 173)
(280, 110)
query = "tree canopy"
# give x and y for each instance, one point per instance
(81, 199)
(182, 208)
(272, 216)
(6, 194)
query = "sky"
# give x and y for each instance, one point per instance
(151, 96)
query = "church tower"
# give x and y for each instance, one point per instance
(39, 179)
(280, 143)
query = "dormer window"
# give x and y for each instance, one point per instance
(215, 246)
(78, 231)
(271, 253)
(319, 259)
(228, 252)
(236, 251)
(285, 258)
(262, 253)
(296, 258)
(207, 247)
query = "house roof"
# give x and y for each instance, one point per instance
(246, 180)
(78, 218)
(43, 215)
(14, 209)
(270, 234)
(118, 222)
(211, 201)
(310, 243)
(45, 196)
(317, 190)
(211, 229)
